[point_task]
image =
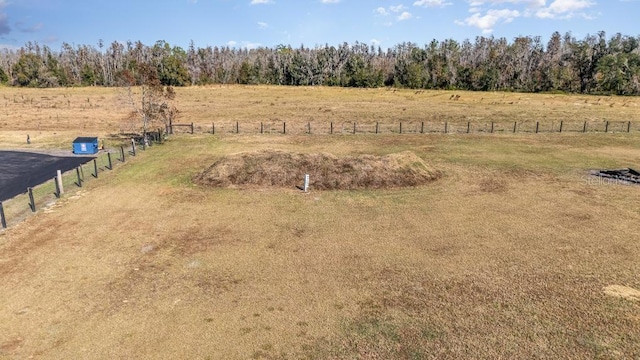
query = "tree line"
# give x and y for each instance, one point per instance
(595, 64)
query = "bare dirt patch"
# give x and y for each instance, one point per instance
(326, 171)
(624, 292)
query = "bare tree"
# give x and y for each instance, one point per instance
(153, 104)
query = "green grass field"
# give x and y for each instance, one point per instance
(515, 252)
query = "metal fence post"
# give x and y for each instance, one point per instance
(110, 167)
(122, 153)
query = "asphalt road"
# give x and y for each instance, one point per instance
(20, 170)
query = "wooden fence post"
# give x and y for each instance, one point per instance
(213, 128)
(284, 127)
(354, 127)
(79, 183)
(561, 123)
(191, 128)
(629, 126)
(331, 128)
(133, 147)
(606, 127)
(377, 127)
(537, 126)
(3, 220)
(237, 128)
(584, 127)
(261, 128)
(446, 127)
(32, 201)
(95, 168)
(515, 125)
(309, 128)
(400, 127)
(492, 127)
(468, 126)
(422, 128)
(110, 166)
(122, 153)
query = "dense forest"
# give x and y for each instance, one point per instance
(595, 64)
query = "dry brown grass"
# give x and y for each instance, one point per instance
(511, 254)
(52, 116)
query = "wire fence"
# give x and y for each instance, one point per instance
(42, 197)
(403, 127)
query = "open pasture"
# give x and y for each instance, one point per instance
(53, 116)
(514, 252)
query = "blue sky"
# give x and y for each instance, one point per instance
(254, 23)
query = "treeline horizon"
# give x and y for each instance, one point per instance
(596, 64)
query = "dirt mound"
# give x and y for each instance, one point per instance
(326, 172)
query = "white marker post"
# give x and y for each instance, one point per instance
(306, 182)
(59, 180)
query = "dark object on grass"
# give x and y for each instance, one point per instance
(628, 175)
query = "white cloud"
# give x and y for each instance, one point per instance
(404, 16)
(487, 22)
(232, 43)
(262, 25)
(486, 14)
(432, 3)
(330, 1)
(257, 2)
(564, 9)
(381, 11)
(397, 8)
(375, 42)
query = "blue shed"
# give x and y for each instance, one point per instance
(85, 145)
